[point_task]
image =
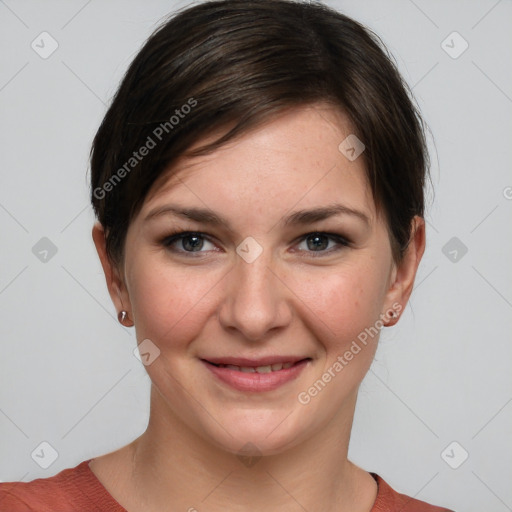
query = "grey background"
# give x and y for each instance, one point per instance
(67, 371)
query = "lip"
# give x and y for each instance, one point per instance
(256, 382)
(262, 361)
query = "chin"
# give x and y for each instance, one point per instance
(255, 435)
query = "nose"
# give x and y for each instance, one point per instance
(256, 302)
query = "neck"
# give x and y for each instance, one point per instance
(174, 468)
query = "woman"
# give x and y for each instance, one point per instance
(258, 184)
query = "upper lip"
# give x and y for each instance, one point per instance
(246, 362)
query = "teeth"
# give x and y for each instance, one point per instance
(264, 369)
(258, 369)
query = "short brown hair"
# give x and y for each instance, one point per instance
(240, 62)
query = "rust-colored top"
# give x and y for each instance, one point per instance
(78, 490)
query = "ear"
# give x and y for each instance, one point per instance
(115, 283)
(403, 274)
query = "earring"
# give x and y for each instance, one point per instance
(122, 316)
(393, 315)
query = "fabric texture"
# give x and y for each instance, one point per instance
(78, 490)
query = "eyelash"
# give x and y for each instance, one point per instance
(175, 236)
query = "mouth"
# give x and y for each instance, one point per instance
(264, 374)
(256, 369)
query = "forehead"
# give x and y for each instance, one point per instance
(293, 159)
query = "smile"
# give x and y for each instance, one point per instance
(257, 369)
(256, 377)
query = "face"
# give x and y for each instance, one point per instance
(255, 270)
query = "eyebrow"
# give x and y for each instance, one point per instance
(301, 217)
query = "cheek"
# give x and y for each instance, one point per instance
(342, 303)
(345, 299)
(344, 306)
(169, 303)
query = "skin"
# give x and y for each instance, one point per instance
(291, 300)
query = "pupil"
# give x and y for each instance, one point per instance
(318, 242)
(192, 243)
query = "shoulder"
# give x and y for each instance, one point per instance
(389, 500)
(72, 490)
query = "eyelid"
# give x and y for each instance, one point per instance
(171, 238)
(341, 241)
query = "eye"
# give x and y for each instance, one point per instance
(187, 242)
(322, 242)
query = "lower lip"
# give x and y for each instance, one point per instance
(256, 382)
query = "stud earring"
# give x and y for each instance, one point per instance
(122, 316)
(393, 315)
